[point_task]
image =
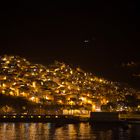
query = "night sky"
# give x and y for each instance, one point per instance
(97, 36)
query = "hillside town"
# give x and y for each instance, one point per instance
(60, 88)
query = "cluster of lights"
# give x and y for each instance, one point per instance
(57, 83)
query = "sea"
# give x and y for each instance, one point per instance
(60, 131)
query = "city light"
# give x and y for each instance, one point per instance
(60, 84)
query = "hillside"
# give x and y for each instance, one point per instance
(59, 84)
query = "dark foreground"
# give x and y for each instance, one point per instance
(74, 131)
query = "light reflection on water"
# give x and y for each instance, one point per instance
(79, 131)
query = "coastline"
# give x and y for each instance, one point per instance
(64, 119)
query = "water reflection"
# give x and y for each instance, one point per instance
(79, 131)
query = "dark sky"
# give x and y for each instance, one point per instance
(97, 36)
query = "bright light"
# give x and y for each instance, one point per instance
(32, 98)
(47, 98)
(93, 107)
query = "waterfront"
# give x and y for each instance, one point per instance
(78, 131)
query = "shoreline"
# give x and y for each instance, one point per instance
(61, 119)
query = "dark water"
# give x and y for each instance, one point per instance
(81, 131)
